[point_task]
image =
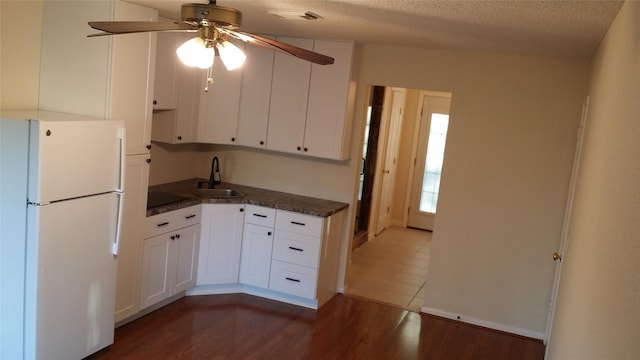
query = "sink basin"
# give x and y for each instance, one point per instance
(220, 193)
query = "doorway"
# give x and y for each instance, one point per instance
(428, 161)
(368, 165)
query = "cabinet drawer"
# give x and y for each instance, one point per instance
(260, 215)
(296, 248)
(172, 220)
(299, 223)
(293, 279)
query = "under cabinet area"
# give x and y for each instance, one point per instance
(221, 243)
(169, 256)
(257, 245)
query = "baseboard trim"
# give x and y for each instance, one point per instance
(484, 323)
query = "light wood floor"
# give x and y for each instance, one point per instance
(391, 268)
(240, 326)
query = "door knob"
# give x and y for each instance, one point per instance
(385, 171)
(557, 256)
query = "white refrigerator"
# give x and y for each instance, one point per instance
(61, 181)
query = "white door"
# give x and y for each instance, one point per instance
(388, 172)
(564, 240)
(428, 162)
(156, 261)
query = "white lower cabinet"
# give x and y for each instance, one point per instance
(169, 254)
(220, 244)
(257, 244)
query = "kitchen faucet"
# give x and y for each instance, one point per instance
(215, 177)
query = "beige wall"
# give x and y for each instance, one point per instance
(506, 173)
(598, 309)
(20, 35)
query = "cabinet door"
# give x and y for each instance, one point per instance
(164, 90)
(220, 243)
(156, 267)
(255, 262)
(289, 94)
(328, 125)
(132, 78)
(255, 96)
(218, 112)
(131, 236)
(185, 247)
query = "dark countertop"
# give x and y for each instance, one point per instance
(252, 195)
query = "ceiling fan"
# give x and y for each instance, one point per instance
(214, 25)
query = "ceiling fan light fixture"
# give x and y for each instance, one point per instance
(231, 55)
(196, 53)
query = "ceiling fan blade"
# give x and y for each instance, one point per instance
(126, 27)
(301, 53)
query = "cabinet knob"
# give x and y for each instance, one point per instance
(179, 137)
(241, 209)
(173, 237)
(148, 161)
(269, 233)
(233, 139)
(177, 236)
(148, 147)
(299, 148)
(155, 102)
(305, 149)
(261, 142)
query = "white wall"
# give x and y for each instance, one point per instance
(20, 39)
(598, 309)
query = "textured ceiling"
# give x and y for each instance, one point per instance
(552, 28)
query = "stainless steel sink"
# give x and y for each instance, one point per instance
(220, 193)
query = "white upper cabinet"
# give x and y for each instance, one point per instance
(330, 106)
(175, 115)
(289, 95)
(312, 105)
(255, 96)
(218, 112)
(132, 78)
(165, 88)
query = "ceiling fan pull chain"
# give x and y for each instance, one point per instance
(209, 79)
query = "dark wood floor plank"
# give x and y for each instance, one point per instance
(239, 326)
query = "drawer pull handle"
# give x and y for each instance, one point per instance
(163, 224)
(190, 216)
(295, 248)
(292, 279)
(259, 215)
(298, 223)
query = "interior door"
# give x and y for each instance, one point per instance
(428, 162)
(388, 171)
(564, 241)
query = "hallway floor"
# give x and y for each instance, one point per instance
(391, 268)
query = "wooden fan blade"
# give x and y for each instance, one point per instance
(127, 27)
(301, 53)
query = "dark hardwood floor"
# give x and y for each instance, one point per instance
(239, 326)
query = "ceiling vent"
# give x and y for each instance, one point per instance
(294, 15)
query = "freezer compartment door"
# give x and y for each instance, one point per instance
(73, 282)
(69, 159)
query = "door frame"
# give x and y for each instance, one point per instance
(387, 129)
(564, 239)
(414, 147)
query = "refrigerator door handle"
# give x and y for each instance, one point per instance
(123, 154)
(116, 243)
